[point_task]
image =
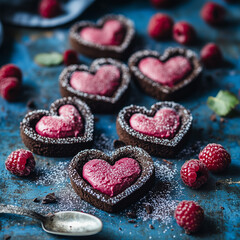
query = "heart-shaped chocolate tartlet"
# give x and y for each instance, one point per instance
(103, 86)
(141, 179)
(62, 131)
(161, 131)
(111, 37)
(168, 76)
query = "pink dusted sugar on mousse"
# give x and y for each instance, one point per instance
(105, 81)
(67, 124)
(164, 124)
(111, 180)
(112, 33)
(167, 73)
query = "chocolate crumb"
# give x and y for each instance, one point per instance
(172, 229)
(7, 237)
(96, 119)
(31, 104)
(222, 120)
(209, 78)
(131, 214)
(49, 198)
(36, 200)
(47, 163)
(118, 143)
(148, 208)
(135, 225)
(168, 162)
(218, 183)
(151, 226)
(213, 118)
(131, 221)
(120, 229)
(222, 208)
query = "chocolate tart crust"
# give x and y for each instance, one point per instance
(163, 92)
(126, 197)
(57, 147)
(97, 103)
(94, 50)
(153, 145)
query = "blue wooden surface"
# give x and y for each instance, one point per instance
(41, 84)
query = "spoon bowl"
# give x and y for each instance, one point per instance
(67, 223)
(72, 223)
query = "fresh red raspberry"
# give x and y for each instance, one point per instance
(189, 215)
(20, 162)
(160, 3)
(10, 88)
(49, 8)
(160, 26)
(194, 173)
(215, 157)
(213, 13)
(211, 55)
(70, 57)
(184, 33)
(10, 70)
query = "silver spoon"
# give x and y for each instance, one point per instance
(68, 223)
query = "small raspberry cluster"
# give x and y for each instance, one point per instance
(10, 82)
(20, 162)
(213, 157)
(161, 26)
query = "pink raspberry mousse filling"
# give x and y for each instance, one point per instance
(105, 81)
(167, 73)
(67, 124)
(112, 33)
(111, 180)
(164, 124)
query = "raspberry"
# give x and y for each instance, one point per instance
(49, 8)
(10, 88)
(213, 13)
(160, 26)
(10, 70)
(20, 162)
(189, 215)
(211, 55)
(194, 173)
(184, 33)
(160, 3)
(215, 157)
(70, 57)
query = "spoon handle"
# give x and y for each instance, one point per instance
(21, 211)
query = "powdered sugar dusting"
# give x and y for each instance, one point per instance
(56, 174)
(162, 197)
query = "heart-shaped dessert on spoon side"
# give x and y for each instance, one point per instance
(103, 86)
(112, 183)
(168, 76)
(111, 37)
(161, 131)
(63, 131)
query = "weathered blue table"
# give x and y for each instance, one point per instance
(221, 201)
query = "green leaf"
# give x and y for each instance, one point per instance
(223, 103)
(48, 59)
